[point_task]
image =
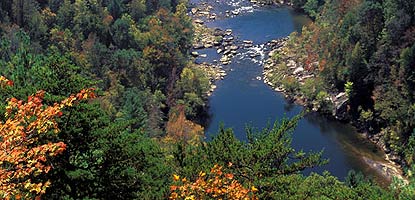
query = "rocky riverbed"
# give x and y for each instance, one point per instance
(225, 43)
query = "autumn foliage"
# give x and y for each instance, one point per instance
(4, 82)
(24, 147)
(181, 129)
(216, 184)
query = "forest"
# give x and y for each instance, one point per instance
(99, 100)
(364, 49)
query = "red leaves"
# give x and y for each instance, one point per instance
(22, 155)
(86, 94)
(9, 83)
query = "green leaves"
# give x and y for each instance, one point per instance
(264, 158)
(312, 7)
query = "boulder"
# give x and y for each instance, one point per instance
(267, 66)
(204, 13)
(298, 70)
(208, 45)
(195, 54)
(194, 10)
(247, 41)
(234, 47)
(198, 46)
(218, 32)
(248, 45)
(253, 55)
(224, 58)
(228, 39)
(340, 103)
(291, 64)
(226, 44)
(226, 52)
(199, 21)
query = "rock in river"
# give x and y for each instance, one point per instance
(208, 45)
(198, 46)
(194, 11)
(195, 54)
(218, 32)
(234, 47)
(228, 39)
(199, 21)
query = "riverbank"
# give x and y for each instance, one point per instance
(286, 72)
(212, 40)
(204, 39)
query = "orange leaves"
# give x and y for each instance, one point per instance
(180, 129)
(4, 82)
(22, 155)
(216, 184)
(107, 20)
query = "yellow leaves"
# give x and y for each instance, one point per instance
(202, 174)
(176, 177)
(191, 197)
(20, 149)
(215, 184)
(36, 188)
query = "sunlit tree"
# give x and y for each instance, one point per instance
(27, 143)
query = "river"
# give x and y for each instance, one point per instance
(241, 99)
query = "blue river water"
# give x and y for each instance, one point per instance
(241, 99)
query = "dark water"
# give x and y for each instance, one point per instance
(240, 99)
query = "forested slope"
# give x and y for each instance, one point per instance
(98, 101)
(132, 53)
(365, 49)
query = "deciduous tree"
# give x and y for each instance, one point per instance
(27, 143)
